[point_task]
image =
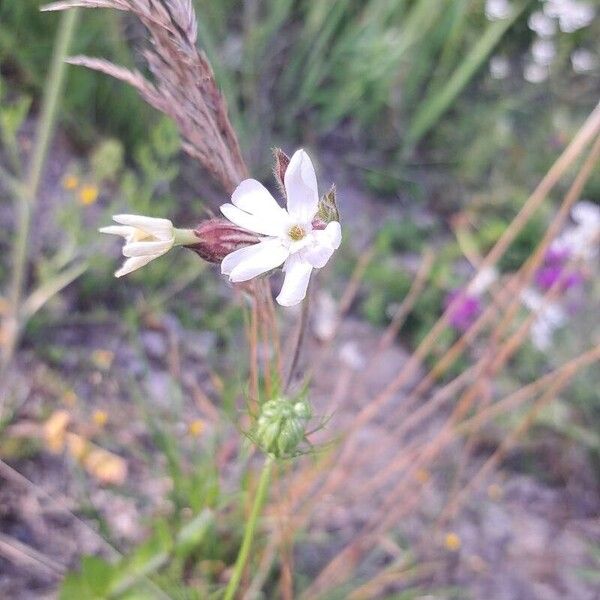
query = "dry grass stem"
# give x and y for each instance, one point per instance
(183, 84)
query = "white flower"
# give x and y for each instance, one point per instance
(571, 14)
(482, 281)
(550, 316)
(497, 10)
(146, 238)
(583, 60)
(542, 24)
(535, 73)
(499, 67)
(289, 237)
(582, 240)
(543, 52)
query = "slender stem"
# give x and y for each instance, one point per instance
(302, 326)
(26, 198)
(240, 563)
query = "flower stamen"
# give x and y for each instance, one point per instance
(296, 233)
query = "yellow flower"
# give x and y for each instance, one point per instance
(69, 398)
(100, 417)
(88, 194)
(55, 430)
(77, 446)
(452, 541)
(104, 465)
(103, 359)
(494, 492)
(70, 182)
(422, 476)
(196, 427)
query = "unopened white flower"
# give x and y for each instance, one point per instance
(571, 14)
(583, 61)
(542, 24)
(535, 73)
(499, 67)
(146, 238)
(543, 52)
(497, 10)
(289, 238)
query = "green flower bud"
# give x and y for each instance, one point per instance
(280, 426)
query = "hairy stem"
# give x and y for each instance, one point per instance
(26, 195)
(242, 558)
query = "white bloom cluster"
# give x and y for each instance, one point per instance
(581, 240)
(571, 14)
(288, 236)
(568, 16)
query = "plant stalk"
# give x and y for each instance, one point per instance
(242, 558)
(26, 196)
(302, 327)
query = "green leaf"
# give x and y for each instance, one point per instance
(436, 105)
(192, 534)
(92, 582)
(12, 117)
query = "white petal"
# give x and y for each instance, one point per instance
(327, 241)
(318, 255)
(254, 198)
(147, 248)
(295, 284)
(132, 264)
(586, 213)
(233, 259)
(251, 261)
(123, 230)
(301, 188)
(332, 233)
(160, 228)
(264, 226)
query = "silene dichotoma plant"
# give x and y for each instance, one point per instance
(257, 236)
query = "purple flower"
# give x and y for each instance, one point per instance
(465, 310)
(554, 268)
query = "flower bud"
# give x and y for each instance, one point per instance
(219, 237)
(282, 160)
(281, 426)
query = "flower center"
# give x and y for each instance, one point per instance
(296, 232)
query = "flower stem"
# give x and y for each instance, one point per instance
(242, 558)
(302, 326)
(26, 194)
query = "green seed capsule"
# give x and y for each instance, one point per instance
(280, 426)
